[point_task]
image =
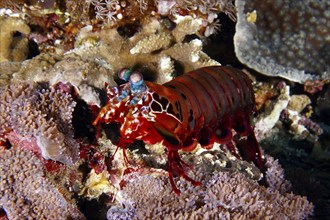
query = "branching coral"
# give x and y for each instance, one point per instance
(284, 39)
(224, 195)
(147, 49)
(25, 192)
(34, 112)
(13, 49)
(101, 55)
(151, 47)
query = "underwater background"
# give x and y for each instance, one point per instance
(61, 158)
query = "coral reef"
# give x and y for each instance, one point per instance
(13, 48)
(118, 12)
(299, 138)
(285, 39)
(91, 63)
(297, 157)
(148, 49)
(50, 159)
(25, 192)
(299, 102)
(58, 23)
(287, 110)
(84, 75)
(267, 120)
(223, 195)
(36, 113)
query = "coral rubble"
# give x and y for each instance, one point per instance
(268, 120)
(284, 39)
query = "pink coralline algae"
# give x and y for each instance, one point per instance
(313, 87)
(39, 118)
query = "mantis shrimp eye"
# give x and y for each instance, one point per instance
(136, 82)
(124, 74)
(135, 77)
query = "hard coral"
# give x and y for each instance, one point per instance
(68, 68)
(284, 39)
(223, 195)
(37, 113)
(118, 12)
(100, 55)
(152, 48)
(84, 75)
(25, 192)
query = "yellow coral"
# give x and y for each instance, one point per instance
(251, 16)
(97, 184)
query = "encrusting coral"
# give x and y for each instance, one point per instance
(25, 191)
(36, 113)
(13, 49)
(84, 75)
(278, 38)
